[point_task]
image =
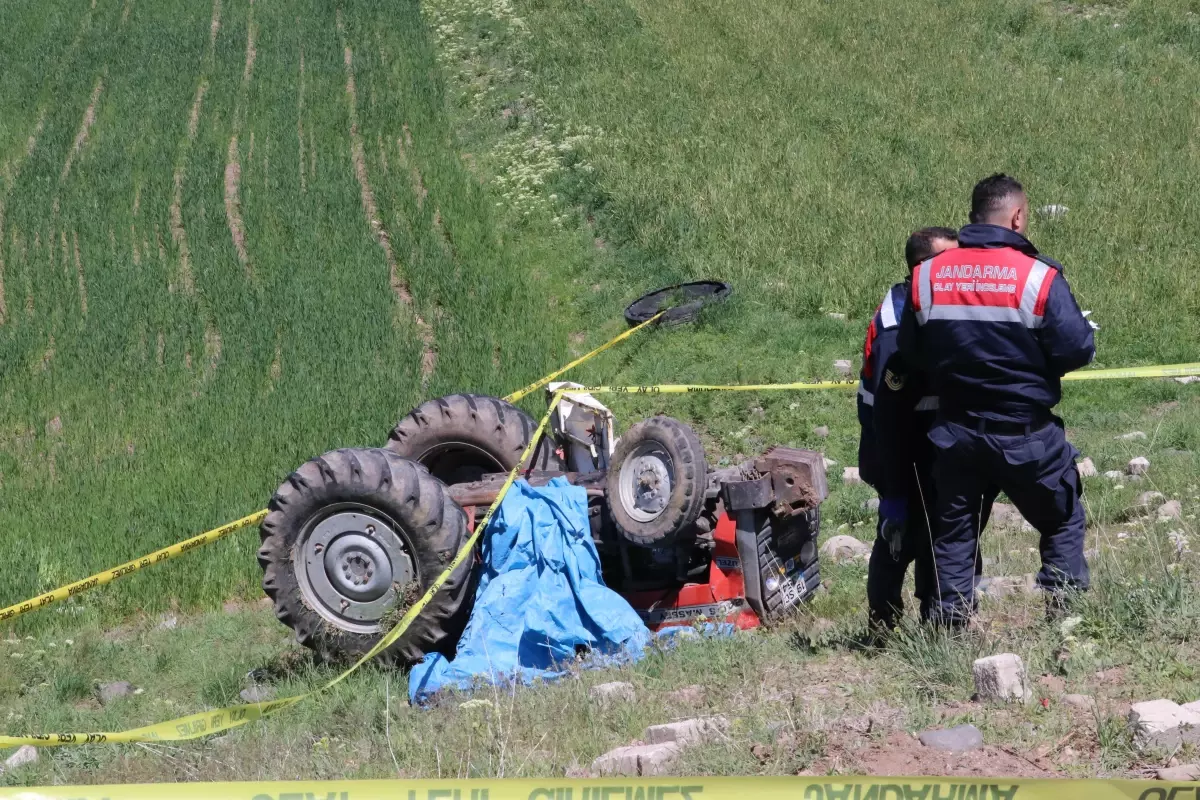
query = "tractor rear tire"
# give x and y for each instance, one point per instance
(352, 539)
(656, 482)
(462, 437)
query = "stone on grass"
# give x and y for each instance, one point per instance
(955, 740)
(1084, 701)
(1005, 585)
(1053, 211)
(844, 548)
(1147, 499)
(850, 476)
(1181, 773)
(26, 754)
(1114, 474)
(1005, 515)
(644, 760)
(1164, 724)
(1138, 466)
(1001, 677)
(1172, 509)
(821, 431)
(168, 622)
(614, 692)
(1132, 436)
(1186, 379)
(258, 694)
(843, 368)
(689, 731)
(1087, 468)
(115, 691)
(871, 505)
(836, 315)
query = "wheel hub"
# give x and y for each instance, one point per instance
(349, 566)
(646, 481)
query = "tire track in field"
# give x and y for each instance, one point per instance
(233, 164)
(85, 127)
(185, 280)
(300, 124)
(83, 304)
(399, 286)
(12, 171)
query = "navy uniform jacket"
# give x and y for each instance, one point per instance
(894, 410)
(995, 327)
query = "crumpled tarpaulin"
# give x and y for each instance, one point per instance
(541, 599)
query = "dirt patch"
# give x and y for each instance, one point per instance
(300, 124)
(214, 25)
(83, 284)
(184, 281)
(233, 206)
(81, 137)
(901, 754)
(197, 104)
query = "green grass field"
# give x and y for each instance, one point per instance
(236, 235)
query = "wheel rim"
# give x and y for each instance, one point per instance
(351, 566)
(646, 480)
(459, 462)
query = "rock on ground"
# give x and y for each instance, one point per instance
(1172, 509)
(1138, 466)
(850, 476)
(615, 692)
(1114, 475)
(871, 505)
(844, 368)
(258, 694)
(1001, 677)
(1132, 436)
(689, 731)
(1005, 585)
(1165, 724)
(1005, 515)
(115, 691)
(1087, 468)
(956, 740)
(26, 754)
(844, 548)
(1147, 499)
(1184, 772)
(638, 760)
(1053, 211)
(821, 431)
(1084, 701)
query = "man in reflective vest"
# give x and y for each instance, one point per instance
(895, 412)
(995, 327)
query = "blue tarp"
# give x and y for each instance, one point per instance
(541, 599)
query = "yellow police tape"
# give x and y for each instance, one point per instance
(1165, 371)
(217, 720)
(761, 788)
(130, 567)
(540, 382)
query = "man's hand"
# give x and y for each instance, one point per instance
(1087, 314)
(894, 513)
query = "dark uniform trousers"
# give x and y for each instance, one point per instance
(1035, 467)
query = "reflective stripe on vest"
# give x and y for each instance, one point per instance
(887, 311)
(982, 285)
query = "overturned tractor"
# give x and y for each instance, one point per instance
(354, 537)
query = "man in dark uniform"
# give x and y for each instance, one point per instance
(894, 456)
(995, 327)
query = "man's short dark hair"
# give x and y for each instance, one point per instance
(919, 246)
(992, 194)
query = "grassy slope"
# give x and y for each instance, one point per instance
(786, 147)
(165, 410)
